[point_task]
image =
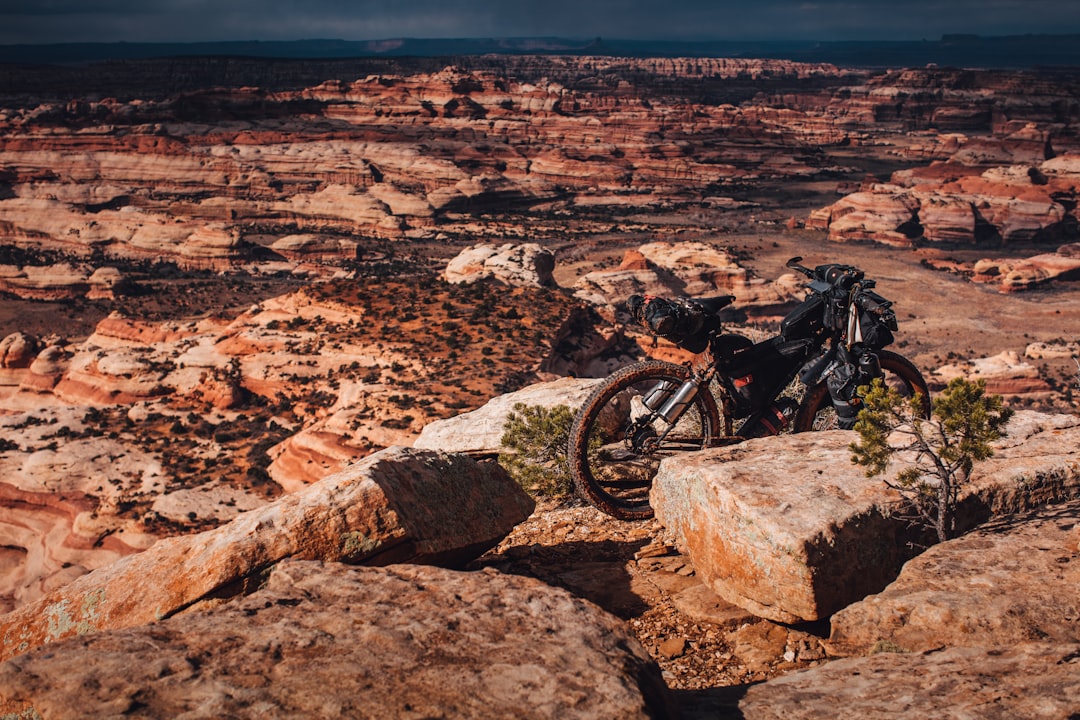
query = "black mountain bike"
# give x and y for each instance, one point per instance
(734, 389)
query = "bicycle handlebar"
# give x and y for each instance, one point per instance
(865, 302)
(793, 263)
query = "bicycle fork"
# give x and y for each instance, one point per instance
(668, 401)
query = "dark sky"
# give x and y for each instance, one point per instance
(51, 21)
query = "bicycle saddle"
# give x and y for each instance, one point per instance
(715, 304)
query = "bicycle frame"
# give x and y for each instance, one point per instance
(669, 403)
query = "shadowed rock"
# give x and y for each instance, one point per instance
(398, 505)
(338, 641)
(977, 590)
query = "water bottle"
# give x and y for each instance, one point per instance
(658, 394)
(674, 407)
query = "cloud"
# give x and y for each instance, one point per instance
(192, 20)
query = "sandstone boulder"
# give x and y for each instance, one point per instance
(1004, 374)
(976, 590)
(480, 431)
(1039, 681)
(397, 505)
(528, 265)
(18, 350)
(330, 640)
(788, 528)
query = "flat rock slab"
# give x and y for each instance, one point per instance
(1013, 580)
(338, 641)
(788, 528)
(480, 431)
(397, 505)
(1034, 681)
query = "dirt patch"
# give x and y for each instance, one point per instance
(631, 570)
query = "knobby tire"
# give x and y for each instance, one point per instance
(607, 471)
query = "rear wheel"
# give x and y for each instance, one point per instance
(617, 441)
(817, 413)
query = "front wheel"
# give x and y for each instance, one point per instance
(617, 441)
(817, 413)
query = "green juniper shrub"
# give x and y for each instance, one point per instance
(941, 451)
(534, 439)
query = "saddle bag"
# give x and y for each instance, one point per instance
(680, 320)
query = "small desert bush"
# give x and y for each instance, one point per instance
(534, 439)
(939, 453)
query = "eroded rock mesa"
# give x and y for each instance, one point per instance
(692, 269)
(959, 203)
(1012, 275)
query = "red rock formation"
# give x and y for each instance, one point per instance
(950, 203)
(18, 350)
(117, 329)
(49, 543)
(690, 269)
(392, 156)
(1011, 275)
(401, 505)
(56, 282)
(46, 369)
